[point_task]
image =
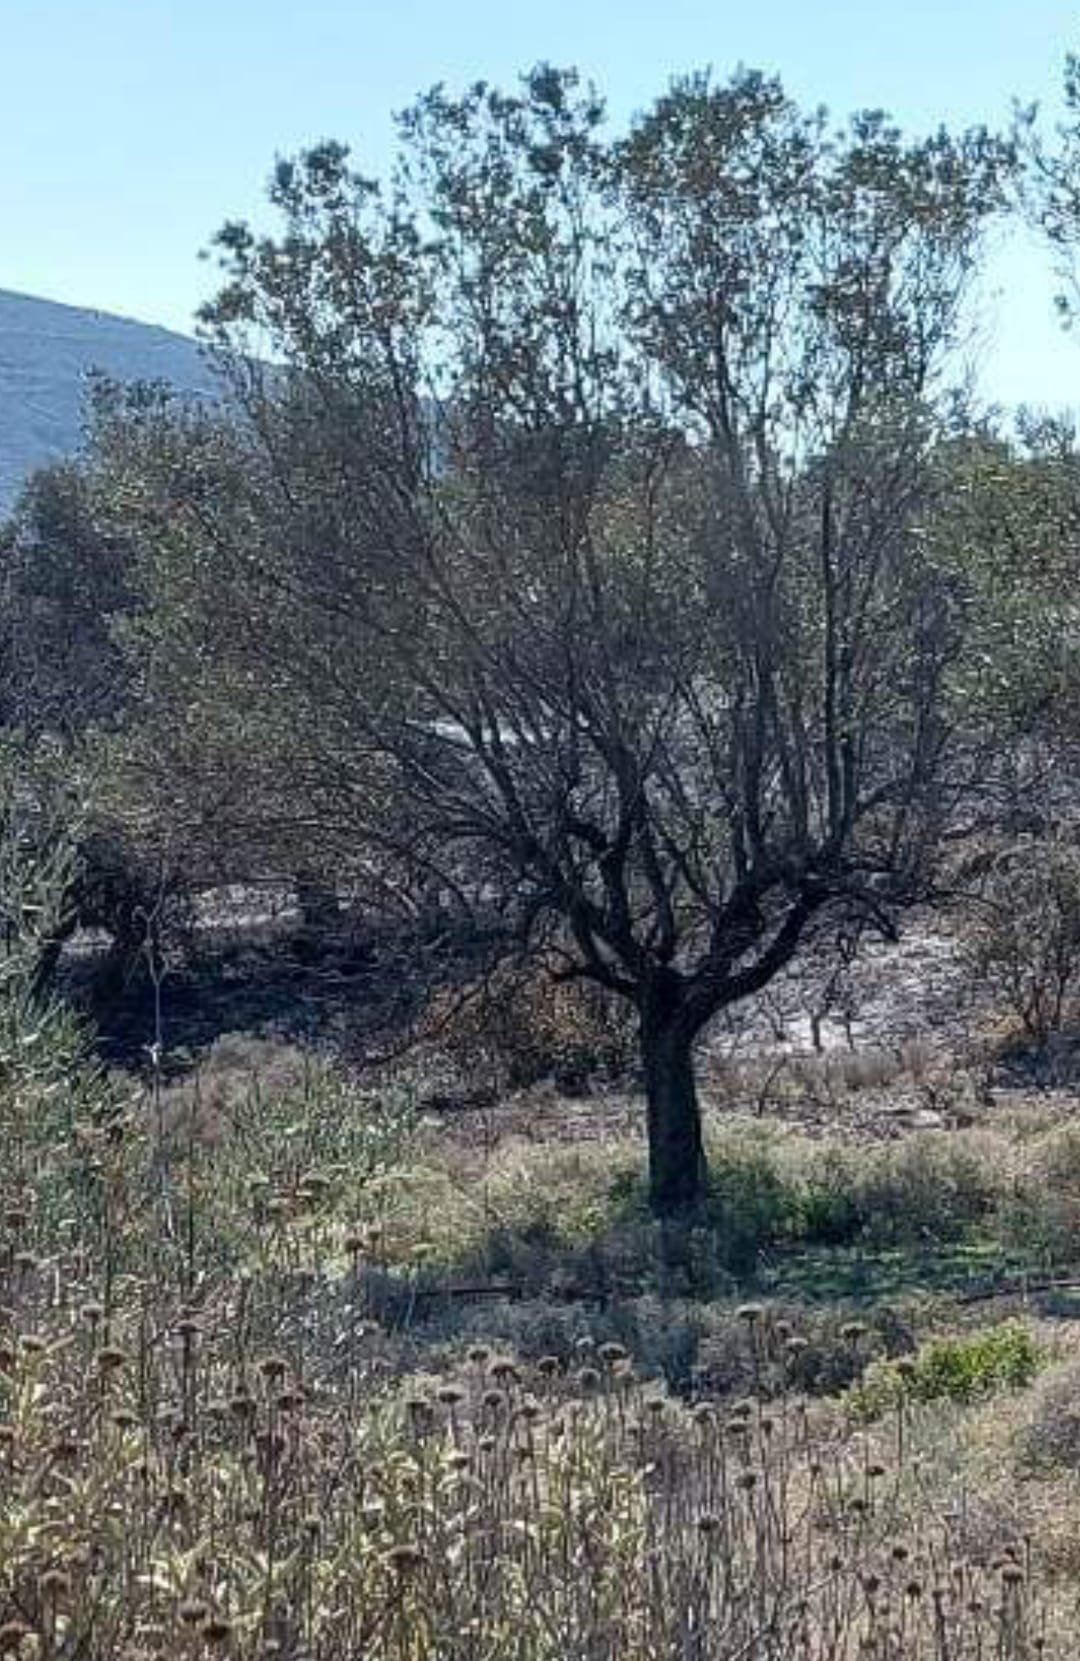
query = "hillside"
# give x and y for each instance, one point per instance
(46, 351)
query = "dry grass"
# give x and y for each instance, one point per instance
(174, 1486)
(213, 1439)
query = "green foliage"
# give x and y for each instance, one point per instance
(924, 1190)
(751, 1206)
(830, 1210)
(64, 585)
(1041, 1214)
(958, 1369)
(52, 1096)
(268, 1172)
(1052, 195)
(1003, 530)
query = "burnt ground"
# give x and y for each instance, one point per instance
(353, 989)
(898, 1040)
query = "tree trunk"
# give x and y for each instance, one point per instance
(676, 1152)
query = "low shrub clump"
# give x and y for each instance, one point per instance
(522, 1024)
(1023, 935)
(1043, 1211)
(1048, 1439)
(958, 1369)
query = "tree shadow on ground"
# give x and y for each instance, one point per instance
(753, 1239)
(805, 1319)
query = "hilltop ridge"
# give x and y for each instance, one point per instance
(47, 349)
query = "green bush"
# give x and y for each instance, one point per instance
(751, 1207)
(961, 1369)
(926, 1189)
(1042, 1215)
(831, 1209)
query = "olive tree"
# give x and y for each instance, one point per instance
(62, 581)
(575, 557)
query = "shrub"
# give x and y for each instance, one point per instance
(1042, 1214)
(831, 1208)
(752, 1205)
(1049, 1438)
(959, 1369)
(927, 1188)
(520, 1025)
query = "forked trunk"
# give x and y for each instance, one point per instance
(676, 1151)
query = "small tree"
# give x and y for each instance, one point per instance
(575, 556)
(1023, 936)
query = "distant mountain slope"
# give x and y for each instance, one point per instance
(46, 351)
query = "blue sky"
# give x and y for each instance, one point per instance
(130, 129)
